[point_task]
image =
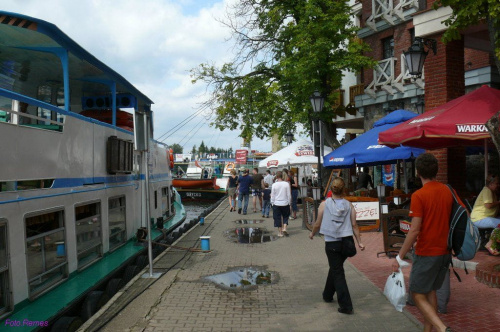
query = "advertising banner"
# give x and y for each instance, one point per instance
(241, 156)
(389, 174)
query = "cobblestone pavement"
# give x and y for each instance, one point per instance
(182, 301)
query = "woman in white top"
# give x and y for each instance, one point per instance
(336, 220)
(281, 197)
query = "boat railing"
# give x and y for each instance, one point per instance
(34, 113)
(30, 112)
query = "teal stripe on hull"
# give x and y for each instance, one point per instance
(51, 303)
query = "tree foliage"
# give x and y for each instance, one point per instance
(177, 148)
(285, 50)
(472, 12)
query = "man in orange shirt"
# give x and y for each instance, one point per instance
(430, 210)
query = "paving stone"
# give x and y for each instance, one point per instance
(293, 303)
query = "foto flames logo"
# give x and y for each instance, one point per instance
(304, 150)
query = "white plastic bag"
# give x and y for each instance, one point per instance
(395, 290)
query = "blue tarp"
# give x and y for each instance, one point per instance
(364, 150)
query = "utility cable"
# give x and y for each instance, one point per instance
(195, 127)
(182, 123)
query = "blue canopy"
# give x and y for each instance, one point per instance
(364, 150)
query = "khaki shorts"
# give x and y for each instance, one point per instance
(231, 191)
(428, 272)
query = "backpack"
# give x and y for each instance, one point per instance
(463, 237)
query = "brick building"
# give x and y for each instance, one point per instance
(389, 27)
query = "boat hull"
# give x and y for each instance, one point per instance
(211, 194)
(186, 183)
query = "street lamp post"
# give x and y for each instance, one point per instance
(420, 106)
(416, 54)
(289, 138)
(317, 102)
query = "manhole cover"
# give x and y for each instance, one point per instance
(249, 235)
(246, 221)
(245, 278)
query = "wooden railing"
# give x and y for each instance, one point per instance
(385, 10)
(339, 100)
(355, 90)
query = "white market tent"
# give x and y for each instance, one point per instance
(297, 153)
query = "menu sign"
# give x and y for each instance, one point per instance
(241, 156)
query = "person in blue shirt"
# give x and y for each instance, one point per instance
(266, 200)
(244, 182)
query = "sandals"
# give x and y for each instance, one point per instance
(492, 251)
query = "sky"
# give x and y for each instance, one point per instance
(153, 44)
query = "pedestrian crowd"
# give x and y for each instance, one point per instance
(277, 192)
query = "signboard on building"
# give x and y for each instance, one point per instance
(241, 156)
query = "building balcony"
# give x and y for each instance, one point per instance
(384, 78)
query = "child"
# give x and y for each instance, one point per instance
(266, 200)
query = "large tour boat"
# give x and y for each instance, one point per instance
(79, 176)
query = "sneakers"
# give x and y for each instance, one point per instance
(291, 218)
(239, 211)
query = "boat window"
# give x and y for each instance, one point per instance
(88, 233)
(26, 185)
(4, 270)
(46, 251)
(156, 199)
(117, 222)
(164, 202)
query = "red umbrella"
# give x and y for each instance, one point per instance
(458, 122)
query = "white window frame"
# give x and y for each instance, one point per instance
(6, 271)
(99, 246)
(124, 222)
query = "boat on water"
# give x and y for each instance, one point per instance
(200, 182)
(80, 176)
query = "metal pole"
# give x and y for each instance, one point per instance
(317, 143)
(146, 183)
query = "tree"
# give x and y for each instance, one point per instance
(202, 149)
(285, 50)
(193, 151)
(472, 12)
(177, 148)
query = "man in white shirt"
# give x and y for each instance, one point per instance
(281, 198)
(269, 179)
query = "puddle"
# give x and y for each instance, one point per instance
(244, 278)
(246, 221)
(248, 235)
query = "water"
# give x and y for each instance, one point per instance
(247, 221)
(250, 235)
(195, 207)
(243, 278)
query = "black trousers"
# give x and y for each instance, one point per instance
(335, 282)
